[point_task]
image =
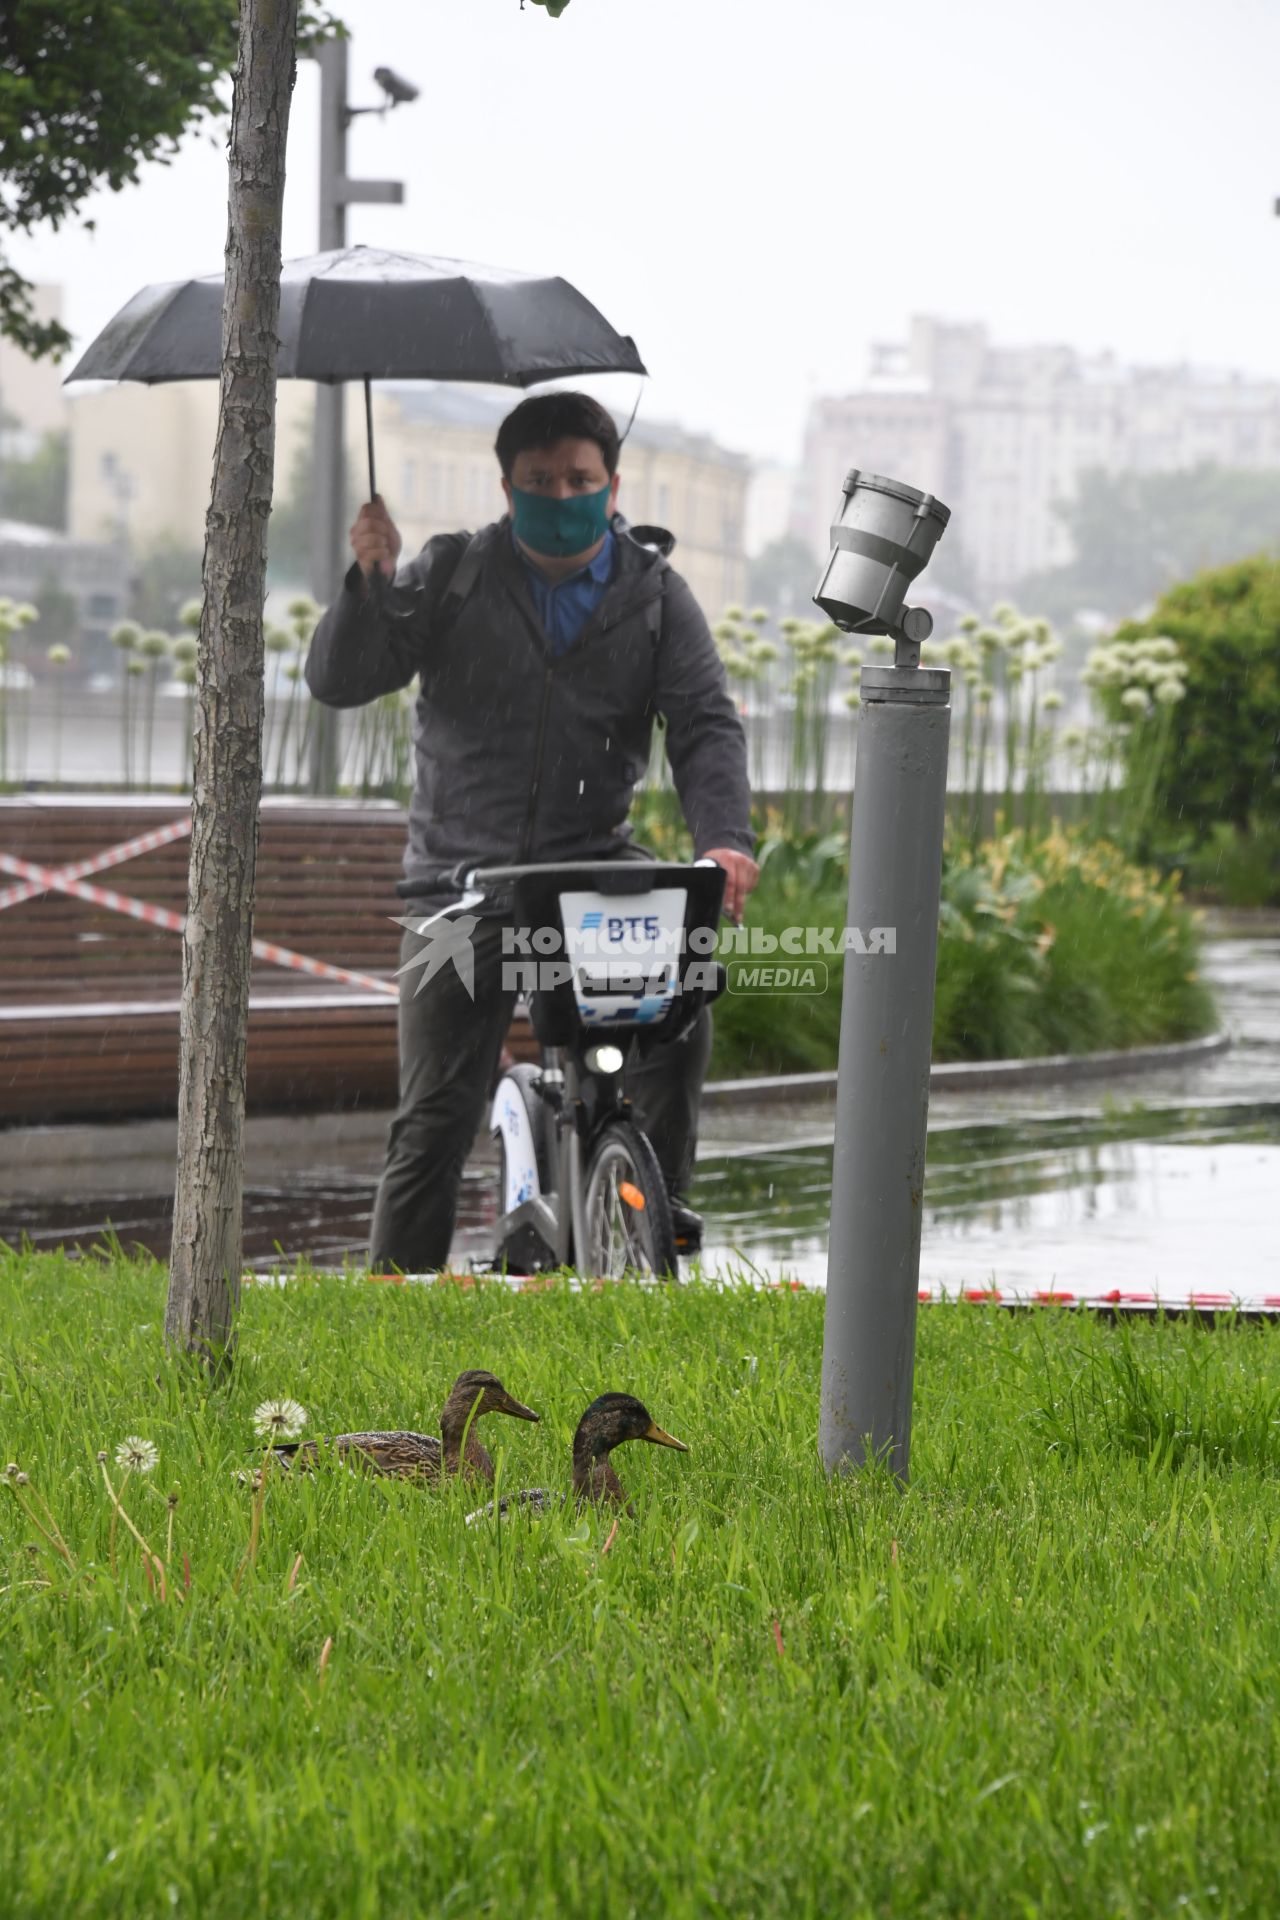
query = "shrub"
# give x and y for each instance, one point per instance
(1092, 952)
(1224, 758)
(1237, 866)
(1046, 945)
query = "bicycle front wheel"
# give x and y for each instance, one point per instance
(626, 1211)
(519, 1125)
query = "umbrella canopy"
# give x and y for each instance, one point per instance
(361, 313)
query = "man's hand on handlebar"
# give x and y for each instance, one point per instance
(375, 540)
(741, 874)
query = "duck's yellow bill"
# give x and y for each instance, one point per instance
(661, 1439)
(632, 1195)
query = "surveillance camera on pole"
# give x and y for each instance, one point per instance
(883, 537)
(399, 91)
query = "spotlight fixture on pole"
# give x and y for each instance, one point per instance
(882, 539)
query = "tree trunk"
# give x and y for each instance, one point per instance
(204, 1278)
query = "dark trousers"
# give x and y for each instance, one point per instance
(450, 1043)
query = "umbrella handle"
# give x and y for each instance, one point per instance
(368, 432)
(377, 584)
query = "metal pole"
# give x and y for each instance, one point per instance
(328, 543)
(329, 560)
(882, 1097)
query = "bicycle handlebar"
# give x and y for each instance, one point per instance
(573, 869)
(622, 876)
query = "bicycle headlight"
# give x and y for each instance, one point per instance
(604, 1059)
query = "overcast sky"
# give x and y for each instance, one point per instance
(757, 189)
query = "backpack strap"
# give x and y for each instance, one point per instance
(403, 605)
(654, 613)
(463, 578)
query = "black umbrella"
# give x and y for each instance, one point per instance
(361, 313)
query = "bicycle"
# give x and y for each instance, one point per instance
(612, 956)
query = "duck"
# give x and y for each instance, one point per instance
(420, 1456)
(608, 1422)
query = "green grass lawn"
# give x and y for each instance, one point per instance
(1043, 1681)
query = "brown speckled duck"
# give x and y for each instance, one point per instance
(420, 1456)
(606, 1424)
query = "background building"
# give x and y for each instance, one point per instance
(32, 400)
(79, 585)
(141, 460)
(142, 457)
(1004, 433)
(769, 505)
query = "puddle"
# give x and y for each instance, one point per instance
(1176, 1201)
(1160, 1181)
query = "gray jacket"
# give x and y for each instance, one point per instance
(522, 754)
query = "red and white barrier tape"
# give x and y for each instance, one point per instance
(1123, 1300)
(112, 857)
(1266, 1305)
(50, 879)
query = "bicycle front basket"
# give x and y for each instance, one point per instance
(616, 947)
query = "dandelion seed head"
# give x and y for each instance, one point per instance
(279, 1419)
(136, 1455)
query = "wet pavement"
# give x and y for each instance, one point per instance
(1163, 1180)
(1171, 1201)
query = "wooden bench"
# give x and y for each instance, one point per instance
(90, 998)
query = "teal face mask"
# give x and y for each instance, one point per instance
(560, 527)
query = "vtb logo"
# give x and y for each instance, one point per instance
(632, 926)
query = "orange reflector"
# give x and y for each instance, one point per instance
(632, 1195)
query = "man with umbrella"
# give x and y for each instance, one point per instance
(544, 645)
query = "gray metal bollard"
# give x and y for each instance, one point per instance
(886, 1028)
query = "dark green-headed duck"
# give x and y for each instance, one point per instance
(608, 1422)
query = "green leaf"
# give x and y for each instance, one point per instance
(65, 68)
